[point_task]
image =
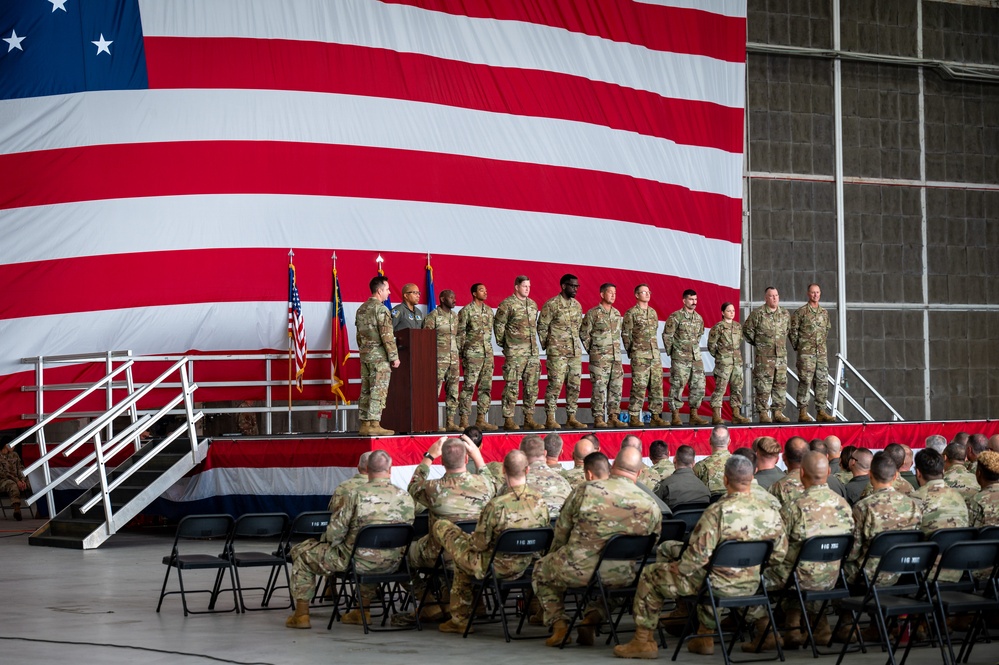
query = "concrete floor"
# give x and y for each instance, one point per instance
(99, 606)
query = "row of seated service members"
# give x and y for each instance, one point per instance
(596, 500)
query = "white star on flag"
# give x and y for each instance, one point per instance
(59, 4)
(103, 45)
(14, 42)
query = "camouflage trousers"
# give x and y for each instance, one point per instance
(646, 373)
(478, 373)
(447, 376)
(607, 382)
(813, 372)
(375, 376)
(552, 576)
(769, 383)
(10, 488)
(311, 558)
(681, 373)
(515, 370)
(562, 370)
(728, 372)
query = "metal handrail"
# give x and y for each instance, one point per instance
(843, 362)
(836, 413)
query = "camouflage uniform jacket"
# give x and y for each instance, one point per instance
(985, 507)
(943, 507)
(574, 476)
(346, 487)
(593, 513)
(788, 488)
(767, 331)
(558, 327)
(638, 332)
(11, 467)
(817, 511)
(682, 335)
(809, 330)
(735, 516)
(711, 470)
(455, 497)
(375, 502)
(600, 333)
(958, 478)
(900, 485)
(764, 495)
(446, 325)
(521, 507)
(885, 510)
(375, 339)
(725, 340)
(651, 476)
(554, 489)
(515, 326)
(475, 330)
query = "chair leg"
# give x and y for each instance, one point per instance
(183, 595)
(163, 590)
(688, 627)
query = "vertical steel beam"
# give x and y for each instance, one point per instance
(924, 231)
(841, 311)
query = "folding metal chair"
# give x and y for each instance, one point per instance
(310, 524)
(819, 549)
(512, 541)
(438, 576)
(688, 517)
(672, 530)
(960, 597)
(200, 527)
(691, 505)
(390, 583)
(890, 603)
(633, 549)
(259, 526)
(732, 554)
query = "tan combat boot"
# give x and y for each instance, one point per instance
(616, 421)
(598, 423)
(642, 645)
(559, 631)
(655, 421)
(376, 429)
(550, 422)
(764, 637)
(353, 617)
(765, 416)
(452, 626)
(300, 619)
(365, 428)
(442, 428)
(509, 425)
(572, 423)
(586, 635)
(530, 422)
(449, 426)
(779, 417)
(481, 423)
(821, 630)
(702, 646)
(738, 418)
(824, 416)
(804, 416)
(716, 418)
(695, 419)
(675, 421)
(794, 637)
(463, 422)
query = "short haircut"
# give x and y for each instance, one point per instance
(689, 292)
(725, 305)
(961, 437)
(883, 467)
(553, 444)
(955, 452)
(768, 289)
(453, 455)
(639, 287)
(475, 434)
(862, 457)
(739, 469)
(747, 453)
(446, 291)
(818, 445)
(937, 442)
(597, 464)
(594, 438)
(684, 456)
(376, 283)
(978, 442)
(514, 464)
(475, 287)
(833, 445)
(794, 450)
(379, 462)
(362, 461)
(607, 285)
(658, 449)
(533, 446)
(930, 463)
(719, 437)
(631, 441)
(520, 279)
(897, 453)
(565, 279)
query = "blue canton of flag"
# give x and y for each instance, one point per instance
(55, 47)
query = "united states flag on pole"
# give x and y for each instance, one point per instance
(296, 329)
(155, 153)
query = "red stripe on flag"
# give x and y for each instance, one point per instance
(238, 167)
(675, 29)
(256, 64)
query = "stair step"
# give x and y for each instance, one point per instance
(47, 540)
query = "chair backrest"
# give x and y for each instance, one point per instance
(988, 533)
(826, 549)
(628, 547)
(421, 525)
(947, 537)
(716, 497)
(741, 554)
(886, 540)
(260, 525)
(691, 505)
(969, 555)
(672, 530)
(468, 526)
(204, 526)
(311, 523)
(524, 541)
(689, 517)
(908, 558)
(384, 536)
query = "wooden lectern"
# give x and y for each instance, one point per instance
(412, 397)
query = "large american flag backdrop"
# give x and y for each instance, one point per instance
(158, 158)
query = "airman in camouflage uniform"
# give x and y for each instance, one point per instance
(985, 506)
(445, 322)
(378, 352)
(475, 341)
(661, 469)
(376, 502)
(766, 330)
(521, 507)
(558, 330)
(593, 513)
(682, 341)
(600, 334)
(900, 485)
(12, 480)
(351, 484)
(943, 507)
(808, 333)
(577, 474)
(638, 332)
(789, 488)
(737, 516)
(725, 346)
(515, 327)
(711, 469)
(553, 488)
(957, 476)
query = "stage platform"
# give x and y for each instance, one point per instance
(294, 473)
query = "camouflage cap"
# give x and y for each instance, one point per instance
(989, 460)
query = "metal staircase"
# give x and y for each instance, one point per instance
(121, 491)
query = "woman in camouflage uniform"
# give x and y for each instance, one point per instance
(725, 346)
